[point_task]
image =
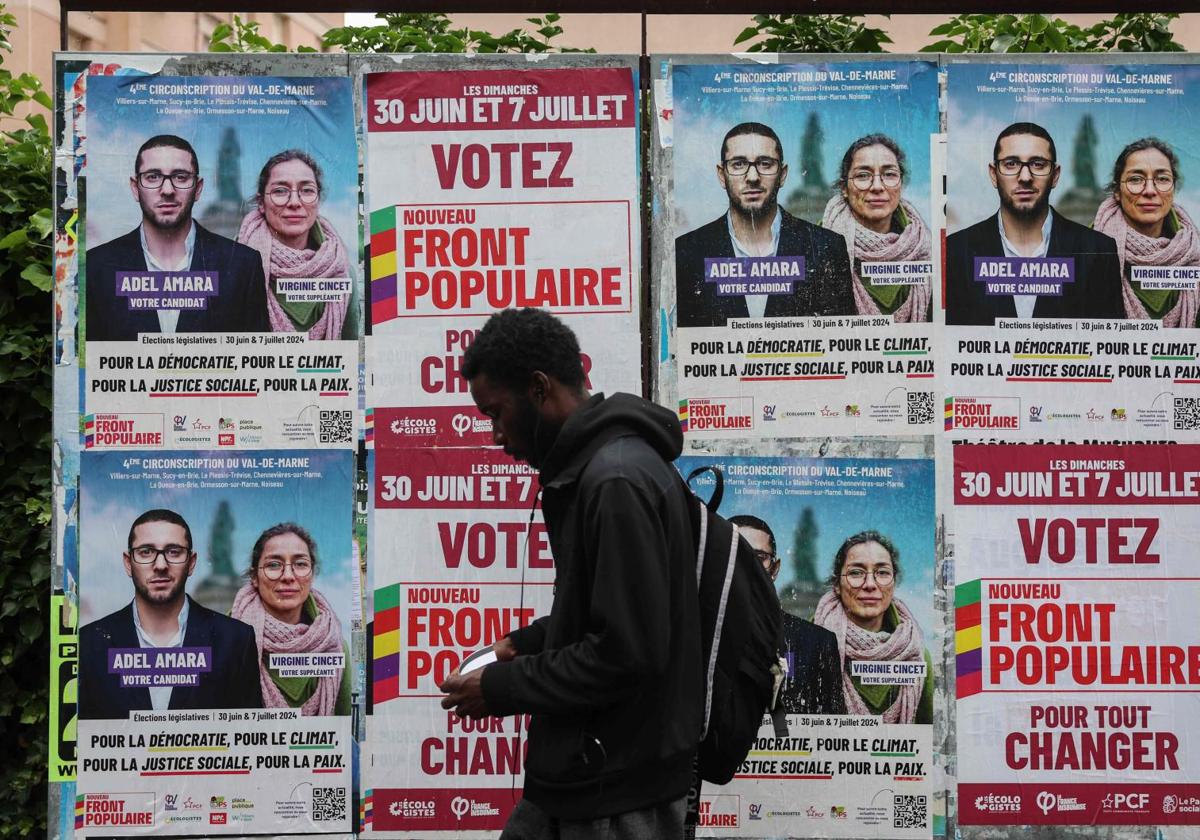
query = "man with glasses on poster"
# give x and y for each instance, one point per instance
(1028, 260)
(169, 274)
(163, 650)
(757, 260)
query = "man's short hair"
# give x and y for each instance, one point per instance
(171, 141)
(1025, 128)
(752, 128)
(516, 342)
(160, 515)
(746, 520)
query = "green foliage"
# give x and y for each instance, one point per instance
(242, 36)
(1148, 32)
(1041, 34)
(813, 33)
(25, 407)
(435, 33)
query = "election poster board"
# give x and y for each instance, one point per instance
(231, 719)
(488, 189)
(801, 302)
(459, 560)
(241, 333)
(858, 760)
(1076, 665)
(1084, 328)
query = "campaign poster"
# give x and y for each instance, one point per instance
(64, 689)
(802, 227)
(214, 635)
(1072, 258)
(488, 190)
(850, 544)
(1076, 654)
(458, 561)
(221, 295)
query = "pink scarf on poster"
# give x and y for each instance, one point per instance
(329, 260)
(912, 243)
(1138, 249)
(324, 635)
(904, 644)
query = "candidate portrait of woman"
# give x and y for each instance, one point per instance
(879, 225)
(873, 625)
(289, 616)
(286, 227)
(1150, 229)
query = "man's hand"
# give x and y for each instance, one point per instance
(505, 650)
(464, 694)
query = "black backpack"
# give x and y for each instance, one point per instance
(741, 630)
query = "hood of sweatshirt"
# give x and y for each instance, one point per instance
(602, 419)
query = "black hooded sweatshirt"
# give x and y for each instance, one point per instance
(612, 676)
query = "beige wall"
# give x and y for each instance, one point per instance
(37, 34)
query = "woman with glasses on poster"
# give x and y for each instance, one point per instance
(290, 617)
(1150, 229)
(873, 625)
(879, 226)
(296, 242)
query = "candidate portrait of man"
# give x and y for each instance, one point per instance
(813, 685)
(169, 274)
(163, 650)
(1075, 271)
(711, 261)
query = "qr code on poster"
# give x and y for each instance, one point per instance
(1187, 413)
(336, 426)
(909, 811)
(329, 804)
(920, 407)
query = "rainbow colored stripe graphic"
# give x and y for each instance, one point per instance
(386, 664)
(367, 809)
(949, 413)
(79, 812)
(683, 414)
(369, 425)
(89, 431)
(383, 265)
(968, 638)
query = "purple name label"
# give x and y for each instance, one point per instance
(159, 667)
(1024, 275)
(188, 290)
(754, 275)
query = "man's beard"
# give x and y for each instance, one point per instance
(768, 206)
(1033, 211)
(172, 595)
(150, 216)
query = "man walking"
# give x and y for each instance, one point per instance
(612, 676)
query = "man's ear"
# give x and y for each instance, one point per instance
(540, 387)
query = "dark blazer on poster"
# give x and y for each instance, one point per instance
(1095, 293)
(814, 681)
(233, 682)
(240, 304)
(826, 288)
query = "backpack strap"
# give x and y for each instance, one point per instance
(730, 565)
(718, 493)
